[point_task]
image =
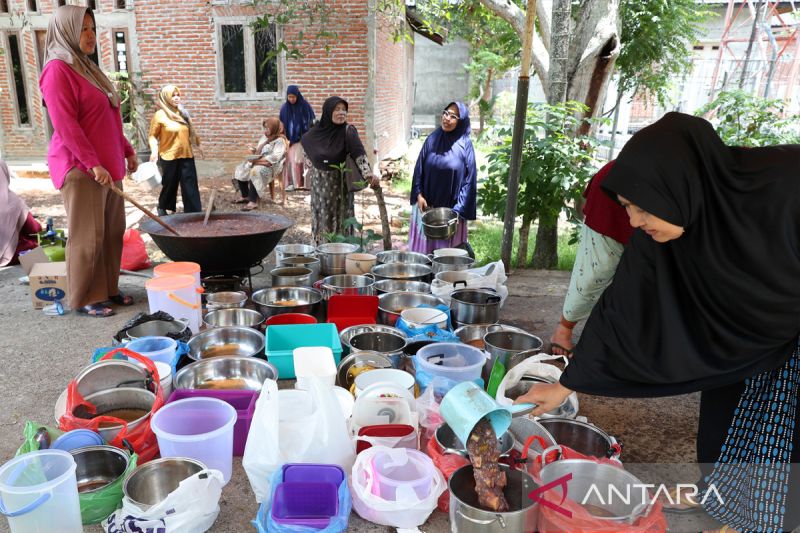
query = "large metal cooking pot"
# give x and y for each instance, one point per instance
(396, 256)
(594, 486)
(446, 263)
(98, 467)
(311, 263)
(158, 328)
(223, 252)
(394, 285)
(333, 257)
(389, 344)
(346, 284)
(474, 306)
(402, 271)
(234, 317)
(390, 305)
(111, 402)
(225, 342)
(467, 515)
(439, 223)
(451, 444)
(236, 373)
(505, 345)
(284, 251)
(281, 300)
(151, 483)
(291, 276)
(582, 437)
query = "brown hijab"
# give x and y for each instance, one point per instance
(13, 213)
(274, 130)
(63, 43)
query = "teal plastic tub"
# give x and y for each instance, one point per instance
(283, 339)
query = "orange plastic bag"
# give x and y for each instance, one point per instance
(134, 253)
(141, 438)
(447, 465)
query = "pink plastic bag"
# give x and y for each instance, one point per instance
(134, 253)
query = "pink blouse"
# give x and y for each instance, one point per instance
(87, 129)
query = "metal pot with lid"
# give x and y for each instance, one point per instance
(474, 306)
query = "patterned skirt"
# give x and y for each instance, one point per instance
(331, 204)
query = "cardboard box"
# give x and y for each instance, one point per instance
(48, 284)
(32, 257)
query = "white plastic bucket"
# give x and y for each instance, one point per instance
(183, 268)
(149, 174)
(397, 473)
(39, 492)
(314, 361)
(176, 295)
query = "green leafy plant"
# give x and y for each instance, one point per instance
(353, 230)
(742, 119)
(136, 103)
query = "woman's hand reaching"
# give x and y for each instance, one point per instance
(546, 397)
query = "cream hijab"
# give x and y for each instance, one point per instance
(63, 43)
(176, 113)
(13, 213)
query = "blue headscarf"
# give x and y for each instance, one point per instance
(297, 117)
(445, 172)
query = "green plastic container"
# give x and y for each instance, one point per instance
(283, 339)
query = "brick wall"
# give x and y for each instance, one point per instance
(393, 90)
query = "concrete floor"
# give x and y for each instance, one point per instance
(40, 354)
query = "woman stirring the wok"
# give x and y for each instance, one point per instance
(706, 298)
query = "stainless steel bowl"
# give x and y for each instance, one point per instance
(238, 373)
(157, 328)
(291, 276)
(109, 374)
(388, 344)
(359, 362)
(311, 263)
(391, 304)
(394, 285)
(112, 402)
(396, 256)
(402, 271)
(225, 299)
(99, 466)
(234, 317)
(348, 333)
(226, 341)
(448, 263)
(439, 223)
(151, 483)
(299, 299)
(450, 443)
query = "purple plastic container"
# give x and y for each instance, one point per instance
(305, 504)
(313, 473)
(244, 401)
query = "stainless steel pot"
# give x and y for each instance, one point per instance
(357, 363)
(280, 300)
(225, 300)
(234, 317)
(282, 251)
(226, 342)
(456, 277)
(291, 277)
(121, 398)
(98, 467)
(396, 256)
(311, 263)
(473, 333)
(394, 285)
(522, 428)
(236, 373)
(157, 328)
(474, 306)
(151, 483)
(346, 284)
(467, 515)
(451, 444)
(388, 344)
(402, 271)
(446, 263)
(504, 345)
(348, 333)
(110, 374)
(582, 437)
(439, 223)
(333, 257)
(391, 304)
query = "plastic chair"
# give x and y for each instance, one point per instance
(290, 318)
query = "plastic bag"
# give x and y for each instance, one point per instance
(29, 434)
(407, 512)
(321, 436)
(141, 437)
(134, 253)
(97, 505)
(447, 464)
(193, 506)
(487, 278)
(265, 524)
(537, 366)
(428, 410)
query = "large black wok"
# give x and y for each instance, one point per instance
(218, 253)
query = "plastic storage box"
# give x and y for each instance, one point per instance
(352, 310)
(282, 340)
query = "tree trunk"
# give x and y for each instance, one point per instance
(545, 255)
(617, 105)
(486, 96)
(524, 235)
(386, 228)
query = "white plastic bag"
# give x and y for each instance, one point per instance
(193, 506)
(488, 277)
(408, 510)
(303, 427)
(536, 366)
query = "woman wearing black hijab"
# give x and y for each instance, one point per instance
(706, 298)
(328, 145)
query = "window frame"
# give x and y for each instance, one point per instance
(12, 86)
(250, 94)
(28, 7)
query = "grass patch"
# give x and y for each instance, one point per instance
(402, 184)
(486, 239)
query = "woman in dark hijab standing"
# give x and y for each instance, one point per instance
(328, 145)
(297, 115)
(706, 298)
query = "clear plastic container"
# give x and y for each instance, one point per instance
(455, 361)
(176, 295)
(39, 492)
(155, 348)
(197, 428)
(309, 504)
(398, 471)
(183, 268)
(313, 361)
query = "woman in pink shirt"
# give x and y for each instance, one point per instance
(87, 156)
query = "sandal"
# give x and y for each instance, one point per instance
(122, 299)
(95, 310)
(564, 351)
(680, 503)
(241, 201)
(249, 207)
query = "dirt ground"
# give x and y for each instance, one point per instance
(40, 354)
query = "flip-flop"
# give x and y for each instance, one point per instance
(95, 310)
(241, 201)
(122, 299)
(684, 504)
(556, 345)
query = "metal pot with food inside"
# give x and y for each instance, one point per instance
(357, 363)
(391, 304)
(226, 341)
(446, 263)
(293, 276)
(474, 306)
(311, 263)
(349, 284)
(402, 271)
(333, 257)
(284, 251)
(128, 404)
(226, 373)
